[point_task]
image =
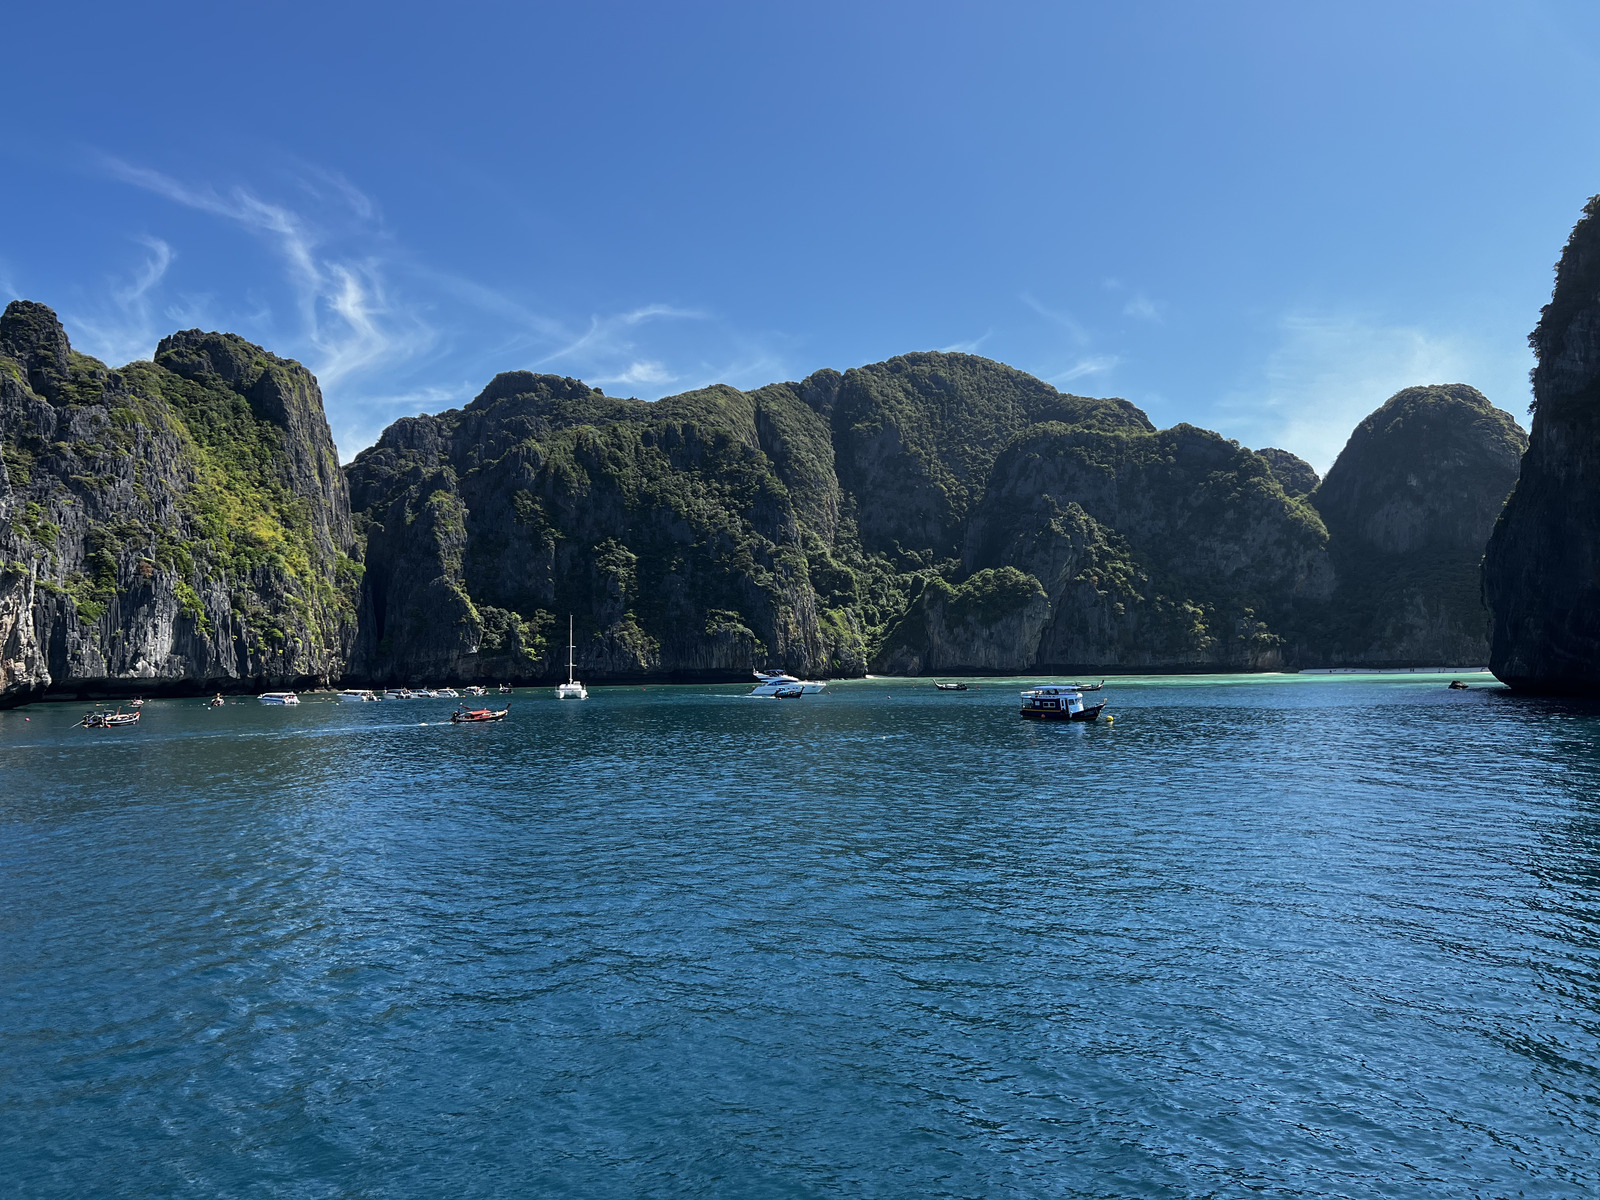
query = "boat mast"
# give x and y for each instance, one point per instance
(569, 647)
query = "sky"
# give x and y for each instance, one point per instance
(1261, 218)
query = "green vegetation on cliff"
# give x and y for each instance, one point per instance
(1410, 503)
(164, 510)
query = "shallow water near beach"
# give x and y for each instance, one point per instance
(1281, 936)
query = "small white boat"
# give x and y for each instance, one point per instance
(571, 689)
(397, 694)
(356, 696)
(472, 691)
(278, 698)
(448, 693)
(770, 683)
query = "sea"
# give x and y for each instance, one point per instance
(1261, 936)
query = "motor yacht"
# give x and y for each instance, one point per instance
(278, 698)
(770, 683)
(356, 696)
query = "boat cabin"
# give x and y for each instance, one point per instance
(1053, 699)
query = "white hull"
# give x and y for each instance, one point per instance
(774, 687)
(278, 698)
(571, 689)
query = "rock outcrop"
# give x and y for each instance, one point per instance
(176, 524)
(671, 532)
(1297, 477)
(1409, 505)
(1541, 574)
(1176, 549)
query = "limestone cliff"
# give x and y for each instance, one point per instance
(671, 532)
(1176, 549)
(1541, 574)
(1297, 477)
(1409, 505)
(181, 523)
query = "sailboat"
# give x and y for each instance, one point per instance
(571, 689)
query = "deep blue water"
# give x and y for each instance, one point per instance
(1263, 937)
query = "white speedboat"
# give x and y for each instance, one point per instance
(571, 689)
(770, 683)
(399, 694)
(278, 698)
(472, 691)
(448, 693)
(356, 696)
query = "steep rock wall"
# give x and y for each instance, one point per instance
(1173, 549)
(1409, 505)
(179, 524)
(670, 531)
(1541, 573)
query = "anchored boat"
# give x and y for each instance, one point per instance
(278, 698)
(110, 720)
(770, 683)
(571, 689)
(1058, 702)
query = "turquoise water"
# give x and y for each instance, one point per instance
(1264, 936)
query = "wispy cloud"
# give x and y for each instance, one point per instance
(345, 311)
(1327, 372)
(640, 372)
(611, 337)
(1137, 305)
(362, 312)
(1065, 320)
(971, 347)
(1142, 308)
(1096, 365)
(126, 328)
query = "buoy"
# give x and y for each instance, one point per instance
(1110, 720)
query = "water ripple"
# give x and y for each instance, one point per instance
(1261, 938)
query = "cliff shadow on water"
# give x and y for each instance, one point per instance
(183, 524)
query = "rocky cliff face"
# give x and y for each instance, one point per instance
(178, 523)
(671, 532)
(1175, 549)
(914, 439)
(1297, 477)
(1409, 505)
(1541, 573)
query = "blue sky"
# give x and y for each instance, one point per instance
(1260, 218)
